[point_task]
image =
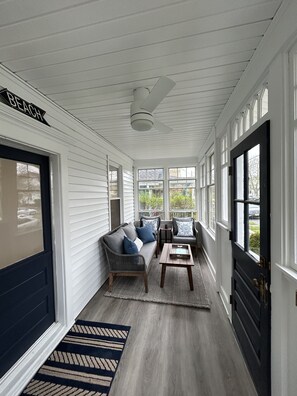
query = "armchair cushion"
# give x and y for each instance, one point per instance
(129, 246)
(115, 241)
(154, 221)
(180, 219)
(184, 228)
(145, 234)
(189, 240)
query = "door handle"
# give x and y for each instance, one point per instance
(262, 262)
(263, 288)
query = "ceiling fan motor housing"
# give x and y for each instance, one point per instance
(141, 120)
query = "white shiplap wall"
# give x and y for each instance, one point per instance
(88, 212)
(86, 203)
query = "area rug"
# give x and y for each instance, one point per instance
(83, 364)
(176, 289)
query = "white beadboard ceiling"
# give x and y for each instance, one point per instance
(88, 57)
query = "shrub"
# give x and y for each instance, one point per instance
(255, 242)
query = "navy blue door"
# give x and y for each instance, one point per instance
(26, 269)
(251, 253)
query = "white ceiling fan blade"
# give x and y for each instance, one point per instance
(162, 87)
(162, 127)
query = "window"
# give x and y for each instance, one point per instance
(251, 113)
(114, 196)
(247, 115)
(113, 182)
(182, 192)
(255, 110)
(241, 128)
(235, 130)
(211, 192)
(151, 192)
(293, 60)
(29, 215)
(264, 102)
(202, 193)
(224, 179)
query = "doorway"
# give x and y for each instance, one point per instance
(26, 263)
(250, 238)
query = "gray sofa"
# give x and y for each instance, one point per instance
(121, 264)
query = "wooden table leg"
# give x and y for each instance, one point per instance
(190, 276)
(163, 275)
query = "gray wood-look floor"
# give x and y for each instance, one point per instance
(174, 351)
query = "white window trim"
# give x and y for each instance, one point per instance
(240, 116)
(220, 190)
(202, 202)
(209, 184)
(137, 207)
(290, 255)
(185, 178)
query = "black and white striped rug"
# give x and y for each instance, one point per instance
(83, 364)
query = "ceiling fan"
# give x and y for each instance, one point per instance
(146, 101)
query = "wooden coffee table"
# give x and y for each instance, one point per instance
(167, 261)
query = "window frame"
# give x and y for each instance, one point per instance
(239, 123)
(224, 189)
(210, 185)
(202, 187)
(291, 229)
(173, 212)
(114, 167)
(162, 180)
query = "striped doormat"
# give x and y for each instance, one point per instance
(83, 364)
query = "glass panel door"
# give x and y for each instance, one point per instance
(21, 217)
(250, 218)
(27, 303)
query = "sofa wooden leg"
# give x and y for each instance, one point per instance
(145, 282)
(110, 282)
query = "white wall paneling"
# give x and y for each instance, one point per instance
(208, 245)
(271, 60)
(80, 215)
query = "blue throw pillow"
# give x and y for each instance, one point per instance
(129, 246)
(145, 234)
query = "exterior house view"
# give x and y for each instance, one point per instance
(114, 111)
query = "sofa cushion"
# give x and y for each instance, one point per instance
(115, 241)
(129, 246)
(184, 228)
(130, 231)
(147, 251)
(145, 234)
(138, 242)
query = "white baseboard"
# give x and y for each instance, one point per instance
(209, 263)
(225, 300)
(14, 381)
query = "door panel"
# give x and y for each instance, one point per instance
(26, 269)
(250, 216)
